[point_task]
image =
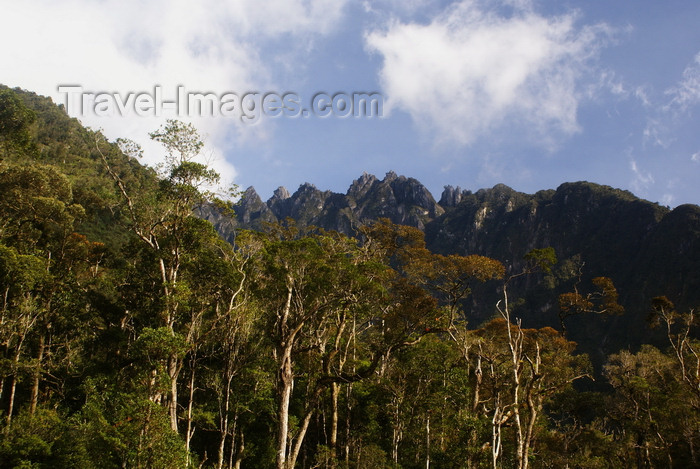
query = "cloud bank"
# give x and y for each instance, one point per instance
(129, 46)
(480, 66)
(686, 93)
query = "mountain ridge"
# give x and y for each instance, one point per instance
(648, 250)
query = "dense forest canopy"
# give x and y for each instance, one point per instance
(133, 334)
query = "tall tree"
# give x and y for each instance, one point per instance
(306, 283)
(40, 254)
(163, 220)
(15, 122)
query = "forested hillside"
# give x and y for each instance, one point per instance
(133, 334)
(647, 250)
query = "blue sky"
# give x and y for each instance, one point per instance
(476, 92)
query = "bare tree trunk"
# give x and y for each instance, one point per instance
(11, 400)
(4, 303)
(222, 447)
(232, 449)
(515, 345)
(335, 391)
(533, 405)
(34, 397)
(396, 437)
(690, 437)
(190, 427)
(27, 326)
(286, 385)
(223, 430)
(347, 426)
(285, 381)
(427, 442)
(302, 431)
(239, 452)
(2, 321)
(13, 385)
(496, 423)
(173, 372)
(478, 375)
(348, 394)
(532, 418)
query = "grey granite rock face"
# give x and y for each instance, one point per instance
(402, 200)
(648, 250)
(452, 196)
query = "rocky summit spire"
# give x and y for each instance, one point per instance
(390, 176)
(250, 200)
(281, 193)
(361, 185)
(451, 196)
(280, 203)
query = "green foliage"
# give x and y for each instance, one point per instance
(36, 208)
(15, 122)
(122, 428)
(181, 141)
(543, 259)
(154, 345)
(653, 408)
(132, 335)
(20, 273)
(371, 455)
(46, 440)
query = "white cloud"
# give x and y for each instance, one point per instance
(687, 92)
(609, 84)
(657, 133)
(696, 157)
(668, 200)
(660, 128)
(472, 70)
(396, 6)
(642, 179)
(642, 94)
(130, 46)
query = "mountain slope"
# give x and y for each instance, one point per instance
(64, 143)
(648, 250)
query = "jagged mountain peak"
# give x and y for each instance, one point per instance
(306, 187)
(451, 196)
(281, 193)
(250, 193)
(390, 176)
(401, 199)
(595, 230)
(361, 185)
(251, 200)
